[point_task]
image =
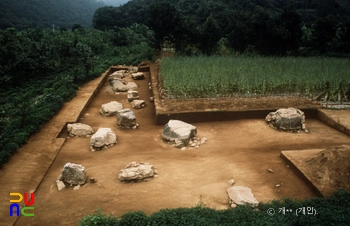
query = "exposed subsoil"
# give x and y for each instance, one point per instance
(242, 150)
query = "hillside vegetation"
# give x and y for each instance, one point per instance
(267, 27)
(22, 14)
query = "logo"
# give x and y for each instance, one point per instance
(28, 201)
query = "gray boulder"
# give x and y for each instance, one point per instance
(132, 86)
(111, 108)
(241, 195)
(287, 119)
(137, 172)
(132, 95)
(103, 138)
(118, 74)
(73, 174)
(126, 119)
(137, 104)
(178, 132)
(138, 75)
(133, 69)
(119, 86)
(79, 129)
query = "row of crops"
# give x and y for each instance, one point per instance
(218, 76)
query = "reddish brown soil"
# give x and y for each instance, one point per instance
(242, 150)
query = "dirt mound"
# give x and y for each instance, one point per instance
(332, 167)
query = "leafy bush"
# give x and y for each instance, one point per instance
(329, 211)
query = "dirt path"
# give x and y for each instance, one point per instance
(242, 150)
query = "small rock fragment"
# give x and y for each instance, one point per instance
(60, 185)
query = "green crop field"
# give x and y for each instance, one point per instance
(196, 77)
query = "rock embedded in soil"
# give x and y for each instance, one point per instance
(241, 195)
(137, 172)
(132, 95)
(103, 138)
(79, 129)
(74, 174)
(111, 108)
(287, 119)
(126, 119)
(132, 86)
(119, 86)
(118, 74)
(133, 69)
(138, 76)
(178, 132)
(137, 104)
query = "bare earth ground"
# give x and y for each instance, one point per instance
(242, 150)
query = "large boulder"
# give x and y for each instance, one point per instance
(111, 108)
(132, 95)
(241, 195)
(287, 119)
(137, 104)
(118, 74)
(103, 138)
(73, 174)
(138, 75)
(79, 129)
(137, 172)
(126, 119)
(132, 86)
(119, 86)
(133, 69)
(178, 132)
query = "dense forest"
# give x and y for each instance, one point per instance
(57, 14)
(265, 27)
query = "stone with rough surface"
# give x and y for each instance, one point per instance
(137, 104)
(137, 172)
(119, 86)
(132, 86)
(287, 119)
(103, 138)
(126, 119)
(179, 132)
(111, 108)
(133, 69)
(60, 185)
(74, 174)
(138, 75)
(241, 195)
(79, 129)
(132, 95)
(117, 74)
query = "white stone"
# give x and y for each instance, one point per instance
(60, 185)
(136, 172)
(118, 86)
(103, 138)
(241, 195)
(111, 108)
(76, 187)
(137, 104)
(132, 95)
(132, 86)
(138, 75)
(231, 182)
(133, 69)
(79, 129)
(178, 132)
